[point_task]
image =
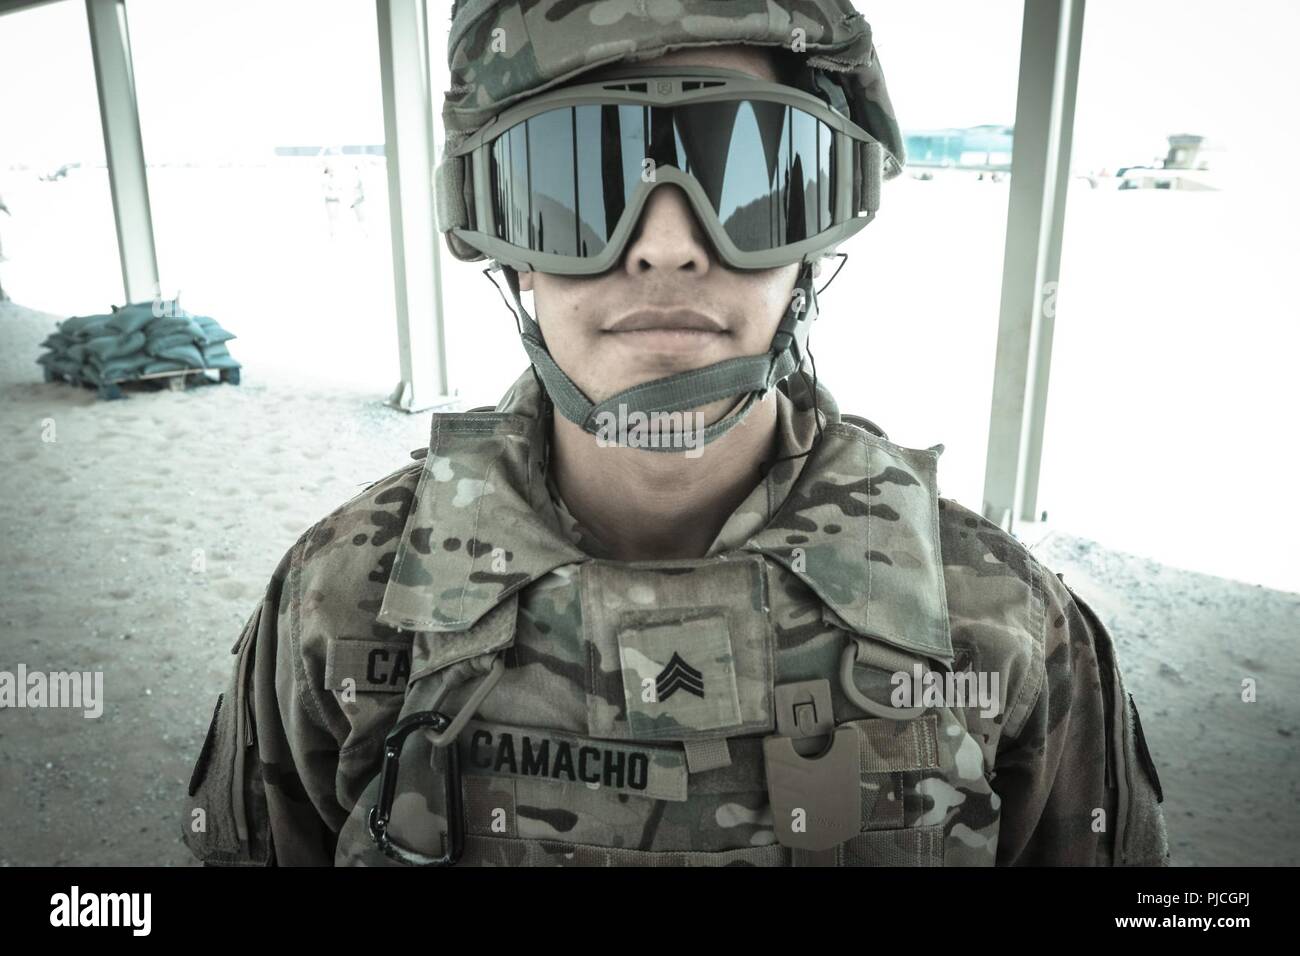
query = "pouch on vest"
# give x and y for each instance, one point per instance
(1140, 835)
(226, 821)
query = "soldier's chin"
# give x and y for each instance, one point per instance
(648, 365)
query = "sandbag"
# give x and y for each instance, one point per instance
(213, 333)
(132, 318)
(132, 341)
(223, 361)
(183, 353)
(160, 344)
(83, 327)
(172, 325)
(115, 370)
(163, 365)
(107, 347)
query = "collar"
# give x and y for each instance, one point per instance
(864, 497)
(486, 523)
(482, 526)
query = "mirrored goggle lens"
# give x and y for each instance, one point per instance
(561, 180)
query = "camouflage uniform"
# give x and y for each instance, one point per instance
(413, 588)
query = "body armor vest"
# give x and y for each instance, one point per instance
(736, 709)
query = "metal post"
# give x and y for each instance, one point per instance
(409, 136)
(110, 46)
(1049, 75)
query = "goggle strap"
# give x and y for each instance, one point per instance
(568, 399)
(869, 175)
(449, 195)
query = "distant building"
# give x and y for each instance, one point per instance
(1183, 150)
(983, 148)
(1186, 166)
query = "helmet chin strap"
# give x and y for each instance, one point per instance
(752, 375)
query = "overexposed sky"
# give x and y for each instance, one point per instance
(227, 79)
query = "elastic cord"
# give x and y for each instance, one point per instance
(487, 273)
(766, 467)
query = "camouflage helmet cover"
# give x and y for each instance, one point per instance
(502, 51)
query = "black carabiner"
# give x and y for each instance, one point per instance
(380, 813)
(446, 730)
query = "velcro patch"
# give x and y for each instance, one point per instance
(678, 674)
(647, 771)
(677, 650)
(382, 666)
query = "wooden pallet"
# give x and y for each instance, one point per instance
(175, 381)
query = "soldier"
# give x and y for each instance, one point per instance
(699, 616)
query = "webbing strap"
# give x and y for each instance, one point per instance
(449, 196)
(803, 858)
(752, 375)
(868, 176)
(873, 164)
(705, 755)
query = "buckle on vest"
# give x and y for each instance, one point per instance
(860, 700)
(446, 730)
(814, 789)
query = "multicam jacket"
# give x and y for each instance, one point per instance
(640, 709)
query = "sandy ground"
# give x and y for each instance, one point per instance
(1187, 641)
(102, 528)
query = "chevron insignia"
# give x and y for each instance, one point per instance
(678, 675)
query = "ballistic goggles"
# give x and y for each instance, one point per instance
(774, 175)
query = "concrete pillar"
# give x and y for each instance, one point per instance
(1040, 170)
(110, 46)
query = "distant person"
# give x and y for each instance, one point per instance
(359, 199)
(333, 192)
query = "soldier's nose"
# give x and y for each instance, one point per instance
(668, 237)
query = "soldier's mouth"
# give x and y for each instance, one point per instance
(669, 339)
(672, 320)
